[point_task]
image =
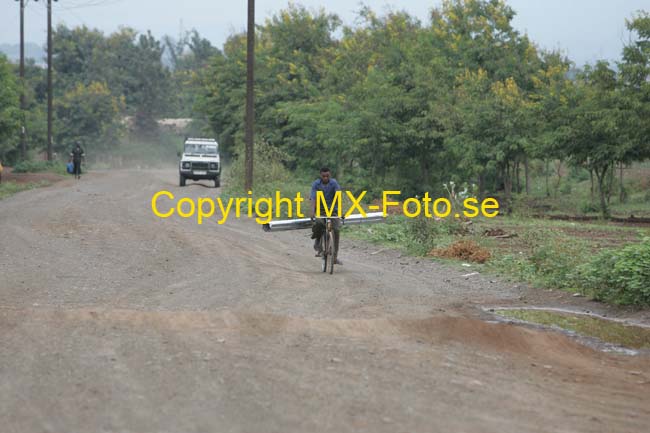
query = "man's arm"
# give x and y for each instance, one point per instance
(312, 198)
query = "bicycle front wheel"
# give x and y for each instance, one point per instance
(324, 246)
(331, 252)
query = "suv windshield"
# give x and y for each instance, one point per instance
(200, 149)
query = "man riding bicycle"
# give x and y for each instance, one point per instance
(328, 186)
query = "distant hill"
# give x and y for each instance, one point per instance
(32, 50)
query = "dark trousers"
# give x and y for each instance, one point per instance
(77, 168)
(319, 228)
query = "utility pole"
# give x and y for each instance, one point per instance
(250, 96)
(23, 129)
(49, 80)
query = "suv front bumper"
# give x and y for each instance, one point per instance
(200, 174)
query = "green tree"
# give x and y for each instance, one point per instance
(75, 56)
(222, 95)
(597, 135)
(128, 62)
(635, 83)
(190, 54)
(9, 108)
(89, 115)
(393, 102)
(553, 99)
(36, 106)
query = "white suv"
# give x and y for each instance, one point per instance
(200, 160)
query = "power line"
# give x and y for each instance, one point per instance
(74, 15)
(39, 12)
(91, 3)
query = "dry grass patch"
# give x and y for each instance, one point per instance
(462, 250)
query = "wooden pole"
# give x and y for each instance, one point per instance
(250, 95)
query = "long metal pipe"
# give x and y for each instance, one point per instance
(305, 223)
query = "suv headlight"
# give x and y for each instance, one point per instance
(214, 166)
(187, 165)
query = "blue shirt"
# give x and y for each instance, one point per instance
(329, 192)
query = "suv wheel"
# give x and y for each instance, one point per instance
(217, 182)
(181, 181)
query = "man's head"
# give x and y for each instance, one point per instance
(325, 175)
(78, 146)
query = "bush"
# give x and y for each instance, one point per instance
(269, 167)
(425, 234)
(425, 231)
(552, 262)
(393, 231)
(579, 174)
(417, 236)
(556, 259)
(621, 275)
(270, 175)
(39, 166)
(566, 188)
(588, 207)
(515, 265)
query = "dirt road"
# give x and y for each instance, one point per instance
(112, 320)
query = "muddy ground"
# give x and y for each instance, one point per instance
(112, 320)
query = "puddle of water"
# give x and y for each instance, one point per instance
(608, 331)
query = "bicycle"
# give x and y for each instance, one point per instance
(327, 244)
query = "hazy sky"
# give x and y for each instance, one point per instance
(585, 29)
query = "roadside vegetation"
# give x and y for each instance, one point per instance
(10, 188)
(607, 263)
(57, 167)
(28, 175)
(396, 103)
(110, 91)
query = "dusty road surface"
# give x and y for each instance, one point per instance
(112, 320)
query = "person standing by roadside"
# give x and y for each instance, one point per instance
(76, 156)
